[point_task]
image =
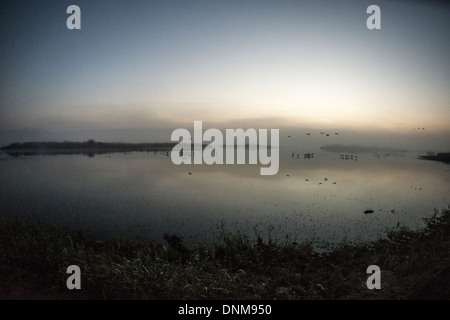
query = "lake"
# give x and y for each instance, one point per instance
(318, 196)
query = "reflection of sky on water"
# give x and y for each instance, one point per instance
(145, 193)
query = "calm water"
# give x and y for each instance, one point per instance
(146, 194)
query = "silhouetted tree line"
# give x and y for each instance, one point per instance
(90, 144)
(442, 157)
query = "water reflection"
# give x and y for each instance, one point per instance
(321, 196)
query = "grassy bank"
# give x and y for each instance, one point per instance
(34, 258)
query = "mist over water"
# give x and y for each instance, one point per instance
(316, 195)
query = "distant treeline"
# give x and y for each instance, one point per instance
(90, 144)
(359, 149)
(442, 157)
(30, 148)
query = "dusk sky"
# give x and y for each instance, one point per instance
(270, 64)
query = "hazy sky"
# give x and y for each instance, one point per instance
(275, 64)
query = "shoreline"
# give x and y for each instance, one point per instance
(90, 147)
(34, 258)
(441, 157)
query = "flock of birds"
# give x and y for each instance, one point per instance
(324, 133)
(353, 157)
(350, 157)
(324, 180)
(389, 155)
(305, 156)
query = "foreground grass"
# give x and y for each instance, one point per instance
(34, 259)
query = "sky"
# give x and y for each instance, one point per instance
(136, 70)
